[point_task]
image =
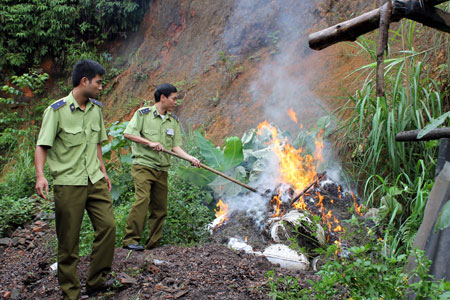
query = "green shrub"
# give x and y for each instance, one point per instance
(188, 212)
(394, 177)
(15, 212)
(368, 271)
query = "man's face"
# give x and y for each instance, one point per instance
(170, 102)
(92, 89)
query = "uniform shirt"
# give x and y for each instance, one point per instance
(149, 124)
(73, 135)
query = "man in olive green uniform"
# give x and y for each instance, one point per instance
(152, 129)
(70, 140)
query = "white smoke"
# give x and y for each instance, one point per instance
(282, 27)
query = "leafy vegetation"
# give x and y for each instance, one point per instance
(368, 271)
(18, 128)
(397, 177)
(30, 31)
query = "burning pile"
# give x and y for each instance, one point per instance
(302, 200)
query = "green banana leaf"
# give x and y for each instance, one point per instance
(214, 157)
(233, 154)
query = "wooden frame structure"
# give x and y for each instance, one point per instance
(435, 244)
(422, 11)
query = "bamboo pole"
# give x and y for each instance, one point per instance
(218, 173)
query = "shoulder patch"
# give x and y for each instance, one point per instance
(96, 102)
(144, 111)
(174, 116)
(58, 104)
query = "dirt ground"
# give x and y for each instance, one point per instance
(211, 271)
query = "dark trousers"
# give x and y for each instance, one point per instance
(70, 203)
(151, 196)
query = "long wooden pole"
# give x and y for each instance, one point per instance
(218, 173)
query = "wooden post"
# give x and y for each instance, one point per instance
(383, 35)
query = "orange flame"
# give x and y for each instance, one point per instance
(357, 206)
(298, 169)
(292, 115)
(276, 201)
(221, 212)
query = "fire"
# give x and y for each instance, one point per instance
(276, 201)
(300, 204)
(221, 212)
(292, 115)
(298, 169)
(357, 206)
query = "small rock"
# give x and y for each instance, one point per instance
(126, 279)
(161, 287)
(31, 246)
(15, 241)
(180, 294)
(54, 267)
(37, 229)
(153, 269)
(371, 213)
(41, 215)
(5, 242)
(159, 262)
(22, 241)
(42, 224)
(15, 294)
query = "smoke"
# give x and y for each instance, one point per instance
(281, 27)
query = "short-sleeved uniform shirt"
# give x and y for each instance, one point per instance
(149, 124)
(73, 135)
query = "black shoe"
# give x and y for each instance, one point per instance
(101, 289)
(134, 247)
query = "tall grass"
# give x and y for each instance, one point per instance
(395, 177)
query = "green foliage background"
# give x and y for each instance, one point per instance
(32, 30)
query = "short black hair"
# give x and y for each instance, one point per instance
(164, 89)
(86, 68)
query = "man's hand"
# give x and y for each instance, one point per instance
(108, 181)
(195, 162)
(41, 186)
(155, 146)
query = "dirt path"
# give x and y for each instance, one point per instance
(205, 272)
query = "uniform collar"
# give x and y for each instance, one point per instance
(73, 104)
(156, 113)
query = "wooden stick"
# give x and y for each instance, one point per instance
(217, 172)
(411, 135)
(296, 198)
(385, 19)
